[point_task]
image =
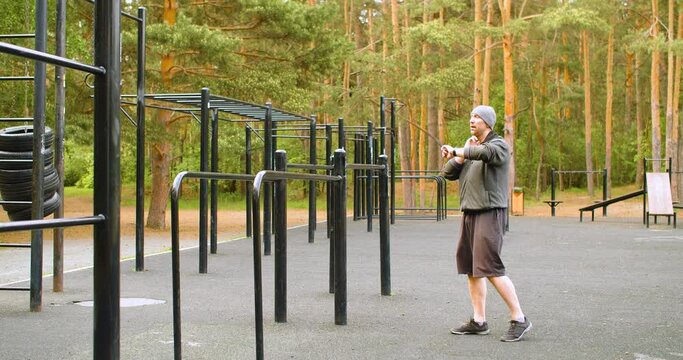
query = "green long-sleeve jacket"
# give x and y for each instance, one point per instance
(484, 174)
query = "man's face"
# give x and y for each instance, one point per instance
(477, 125)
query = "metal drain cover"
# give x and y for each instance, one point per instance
(126, 302)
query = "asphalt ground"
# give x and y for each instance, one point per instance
(603, 290)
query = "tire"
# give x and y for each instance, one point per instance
(22, 160)
(49, 206)
(24, 191)
(20, 138)
(23, 175)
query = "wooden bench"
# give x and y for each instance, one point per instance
(552, 204)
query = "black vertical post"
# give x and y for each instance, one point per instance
(384, 230)
(355, 178)
(604, 191)
(140, 146)
(203, 188)
(258, 282)
(247, 170)
(175, 274)
(340, 238)
(311, 184)
(280, 227)
(369, 158)
(58, 234)
(552, 192)
(107, 181)
(382, 125)
(341, 136)
(267, 187)
(36, 285)
(644, 190)
(328, 161)
(392, 159)
(214, 183)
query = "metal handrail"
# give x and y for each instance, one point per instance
(50, 223)
(50, 59)
(258, 179)
(441, 207)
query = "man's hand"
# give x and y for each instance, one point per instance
(471, 141)
(447, 152)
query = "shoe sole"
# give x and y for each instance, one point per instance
(520, 335)
(485, 332)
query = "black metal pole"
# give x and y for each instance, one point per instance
(369, 158)
(604, 191)
(107, 181)
(247, 170)
(340, 239)
(311, 184)
(203, 188)
(328, 188)
(58, 233)
(258, 281)
(214, 183)
(384, 228)
(552, 192)
(280, 226)
(38, 164)
(267, 187)
(382, 124)
(355, 179)
(341, 136)
(644, 190)
(392, 159)
(140, 146)
(175, 270)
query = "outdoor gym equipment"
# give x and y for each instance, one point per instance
(554, 203)
(107, 184)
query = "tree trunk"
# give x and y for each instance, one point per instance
(669, 149)
(509, 90)
(404, 138)
(608, 112)
(587, 111)
(486, 77)
(677, 186)
(654, 95)
(675, 133)
(640, 128)
(441, 114)
(161, 149)
(476, 95)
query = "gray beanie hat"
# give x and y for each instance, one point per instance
(486, 113)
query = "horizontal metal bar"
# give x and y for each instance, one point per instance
(14, 202)
(310, 167)
(17, 119)
(50, 223)
(428, 177)
(49, 58)
(17, 36)
(271, 175)
(15, 78)
(14, 289)
(364, 167)
(15, 245)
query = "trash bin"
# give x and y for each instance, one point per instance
(518, 201)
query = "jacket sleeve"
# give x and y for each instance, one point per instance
(493, 152)
(451, 170)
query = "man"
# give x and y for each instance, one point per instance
(482, 167)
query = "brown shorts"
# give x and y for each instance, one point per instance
(481, 239)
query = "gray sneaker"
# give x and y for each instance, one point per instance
(517, 330)
(471, 328)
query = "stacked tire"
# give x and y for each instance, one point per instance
(16, 175)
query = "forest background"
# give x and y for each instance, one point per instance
(577, 85)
